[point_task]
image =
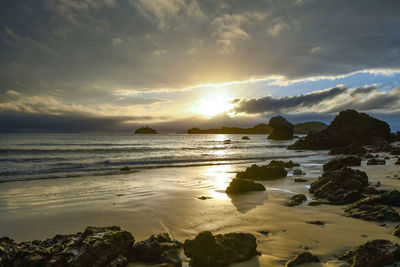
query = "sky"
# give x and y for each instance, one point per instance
(115, 65)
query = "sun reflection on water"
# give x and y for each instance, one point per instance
(219, 177)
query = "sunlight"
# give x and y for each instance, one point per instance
(220, 176)
(211, 106)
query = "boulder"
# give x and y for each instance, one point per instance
(206, 250)
(245, 138)
(157, 249)
(373, 253)
(348, 127)
(316, 222)
(352, 149)
(372, 208)
(301, 258)
(238, 186)
(339, 163)
(380, 144)
(296, 200)
(298, 172)
(376, 162)
(279, 163)
(397, 162)
(396, 230)
(281, 129)
(96, 246)
(391, 198)
(300, 180)
(341, 186)
(255, 172)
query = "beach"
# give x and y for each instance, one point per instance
(167, 199)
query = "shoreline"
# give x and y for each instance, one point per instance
(166, 200)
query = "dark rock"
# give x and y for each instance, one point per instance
(370, 190)
(316, 222)
(395, 150)
(385, 158)
(227, 142)
(376, 162)
(206, 250)
(296, 200)
(316, 203)
(372, 208)
(396, 136)
(369, 156)
(279, 163)
(96, 246)
(245, 138)
(352, 149)
(125, 169)
(391, 198)
(281, 129)
(341, 186)
(309, 127)
(256, 172)
(238, 186)
(373, 253)
(300, 180)
(397, 162)
(145, 130)
(378, 184)
(348, 127)
(301, 258)
(264, 232)
(204, 198)
(339, 163)
(396, 230)
(157, 249)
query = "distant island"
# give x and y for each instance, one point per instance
(300, 128)
(145, 130)
(258, 129)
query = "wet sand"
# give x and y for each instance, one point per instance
(166, 200)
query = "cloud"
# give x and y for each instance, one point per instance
(278, 28)
(324, 101)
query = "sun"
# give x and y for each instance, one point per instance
(211, 106)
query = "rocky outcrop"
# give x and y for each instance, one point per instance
(279, 163)
(96, 246)
(336, 164)
(296, 200)
(255, 172)
(245, 137)
(352, 149)
(372, 208)
(145, 130)
(298, 172)
(376, 162)
(396, 230)
(391, 198)
(309, 127)
(341, 186)
(206, 250)
(281, 129)
(348, 127)
(238, 186)
(301, 258)
(373, 253)
(156, 250)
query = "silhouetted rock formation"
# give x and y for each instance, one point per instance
(258, 129)
(296, 200)
(349, 127)
(341, 186)
(372, 208)
(245, 137)
(309, 127)
(301, 258)
(396, 230)
(352, 149)
(96, 246)
(339, 163)
(255, 172)
(376, 162)
(282, 129)
(145, 130)
(238, 186)
(279, 163)
(376, 252)
(206, 250)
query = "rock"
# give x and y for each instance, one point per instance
(281, 129)
(227, 142)
(125, 169)
(391, 198)
(301, 258)
(238, 186)
(145, 130)
(296, 200)
(348, 127)
(339, 163)
(352, 149)
(370, 190)
(341, 186)
(396, 136)
(157, 249)
(245, 138)
(396, 230)
(279, 163)
(96, 246)
(373, 253)
(299, 172)
(204, 198)
(385, 158)
(376, 162)
(300, 180)
(379, 144)
(369, 156)
(316, 203)
(264, 232)
(316, 222)
(309, 127)
(206, 250)
(256, 172)
(372, 208)
(397, 162)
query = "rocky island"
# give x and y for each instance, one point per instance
(145, 130)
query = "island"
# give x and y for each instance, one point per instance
(309, 127)
(145, 130)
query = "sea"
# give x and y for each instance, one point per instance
(49, 156)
